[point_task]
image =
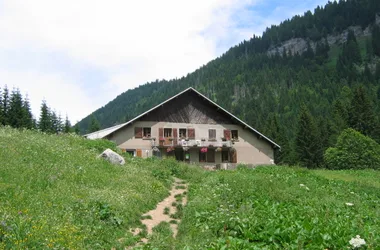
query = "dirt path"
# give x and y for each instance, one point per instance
(167, 210)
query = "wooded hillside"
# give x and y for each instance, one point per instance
(272, 93)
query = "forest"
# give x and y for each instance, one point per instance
(15, 111)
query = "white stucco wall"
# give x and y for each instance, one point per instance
(250, 149)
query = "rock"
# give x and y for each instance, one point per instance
(112, 157)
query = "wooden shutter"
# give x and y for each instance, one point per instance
(227, 134)
(175, 137)
(233, 156)
(191, 132)
(139, 153)
(160, 136)
(138, 132)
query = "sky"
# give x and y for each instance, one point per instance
(78, 55)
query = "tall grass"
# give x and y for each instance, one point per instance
(281, 208)
(55, 193)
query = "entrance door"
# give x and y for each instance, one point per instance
(179, 154)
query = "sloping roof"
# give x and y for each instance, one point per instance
(105, 132)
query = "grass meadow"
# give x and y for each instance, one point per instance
(55, 194)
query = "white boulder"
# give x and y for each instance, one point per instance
(112, 157)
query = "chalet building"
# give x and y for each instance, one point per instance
(191, 128)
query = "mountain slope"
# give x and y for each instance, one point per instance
(271, 76)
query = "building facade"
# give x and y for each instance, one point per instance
(192, 128)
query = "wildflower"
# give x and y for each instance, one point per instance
(357, 242)
(349, 204)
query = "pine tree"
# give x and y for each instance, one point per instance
(369, 50)
(77, 129)
(59, 123)
(67, 126)
(27, 114)
(276, 132)
(5, 106)
(1, 109)
(361, 113)
(94, 124)
(376, 40)
(45, 123)
(15, 111)
(307, 144)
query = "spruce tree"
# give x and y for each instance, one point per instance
(5, 106)
(1, 108)
(307, 143)
(376, 40)
(15, 111)
(45, 123)
(77, 129)
(94, 124)
(27, 114)
(361, 113)
(67, 126)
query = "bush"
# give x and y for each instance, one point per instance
(353, 151)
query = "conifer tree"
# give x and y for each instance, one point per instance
(67, 126)
(77, 129)
(5, 106)
(94, 124)
(27, 114)
(277, 133)
(1, 108)
(307, 143)
(361, 114)
(15, 111)
(369, 50)
(45, 123)
(376, 40)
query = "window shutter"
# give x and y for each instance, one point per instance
(138, 132)
(139, 153)
(160, 136)
(175, 136)
(227, 134)
(234, 156)
(191, 132)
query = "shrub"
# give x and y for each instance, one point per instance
(353, 150)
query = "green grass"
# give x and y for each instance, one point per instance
(267, 208)
(55, 193)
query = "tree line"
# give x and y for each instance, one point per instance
(15, 111)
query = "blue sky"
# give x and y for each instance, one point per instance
(79, 55)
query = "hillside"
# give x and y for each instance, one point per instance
(264, 81)
(55, 194)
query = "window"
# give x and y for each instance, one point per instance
(224, 156)
(234, 134)
(182, 133)
(146, 132)
(130, 152)
(167, 132)
(212, 134)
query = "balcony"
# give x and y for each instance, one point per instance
(172, 142)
